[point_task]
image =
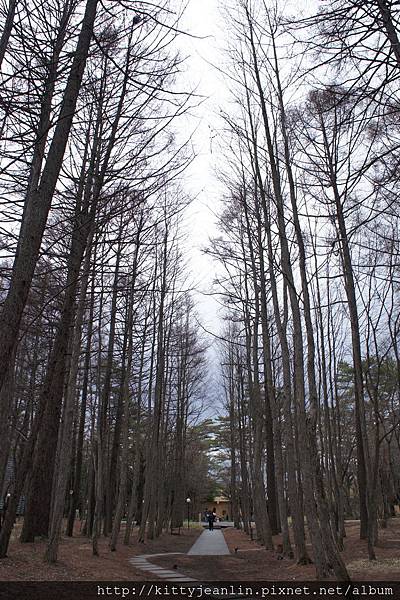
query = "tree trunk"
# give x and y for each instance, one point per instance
(123, 480)
(76, 496)
(37, 205)
(37, 515)
(66, 433)
(7, 29)
(326, 554)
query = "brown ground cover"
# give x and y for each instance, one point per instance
(76, 562)
(251, 562)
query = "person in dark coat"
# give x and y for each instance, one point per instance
(211, 518)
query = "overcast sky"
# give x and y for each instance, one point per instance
(202, 19)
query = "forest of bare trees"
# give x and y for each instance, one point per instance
(308, 273)
(104, 364)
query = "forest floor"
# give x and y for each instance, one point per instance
(254, 563)
(77, 563)
(250, 563)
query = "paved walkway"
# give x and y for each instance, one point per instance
(141, 562)
(210, 543)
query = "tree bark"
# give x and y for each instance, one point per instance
(67, 426)
(38, 203)
(7, 29)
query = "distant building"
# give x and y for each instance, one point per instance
(223, 507)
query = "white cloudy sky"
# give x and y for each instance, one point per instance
(203, 19)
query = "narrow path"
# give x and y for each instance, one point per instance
(210, 543)
(142, 562)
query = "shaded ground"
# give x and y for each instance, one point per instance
(253, 563)
(76, 561)
(250, 563)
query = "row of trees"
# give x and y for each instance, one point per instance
(308, 273)
(102, 364)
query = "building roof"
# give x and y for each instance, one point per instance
(219, 499)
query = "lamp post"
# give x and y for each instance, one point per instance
(188, 501)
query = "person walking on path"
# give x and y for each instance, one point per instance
(211, 518)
